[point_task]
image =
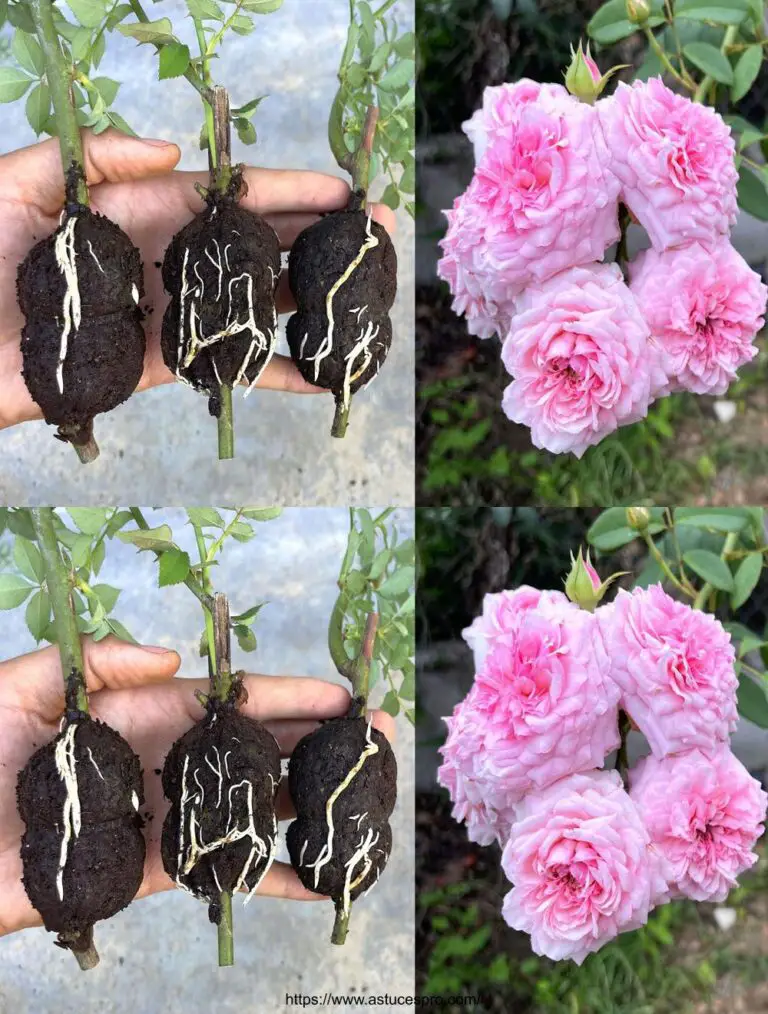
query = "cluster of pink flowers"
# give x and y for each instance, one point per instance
(587, 352)
(524, 752)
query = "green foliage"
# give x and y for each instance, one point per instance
(378, 69)
(714, 52)
(711, 557)
(82, 533)
(378, 575)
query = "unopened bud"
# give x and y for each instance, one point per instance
(582, 586)
(638, 518)
(638, 11)
(583, 79)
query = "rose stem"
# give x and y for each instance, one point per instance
(622, 764)
(358, 165)
(358, 672)
(71, 146)
(71, 655)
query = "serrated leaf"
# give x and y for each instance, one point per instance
(117, 628)
(398, 76)
(709, 59)
(379, 564)
(241, 24)
(120, 124)
(746, 70)
(398, 583)
(88, 12)
(205, 517)
(38, 107)
(262, 6)
(174, 60)
(98, 555)
(13, 591)
(107, 88)
(174, 567)
(249, 615)
(107, 596)
(249, 108)
(28, 53)
(13, 84)
(38, 614)
(89, 520)
(205, 10)
(709, 566)
(262, 513)
(159, 32)
(391, 197)
(28, 560)
(380, 57)
(745, 579)
(160, 538)
(391, 704)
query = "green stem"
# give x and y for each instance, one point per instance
(60, 85)
(706, 589)
(340, 926)
(197, 83)
(226, 935)
(197, 589)
(64, 617)
(340, 418)
(207, 101)
(730, 34)
(225, 424)
(210, 633)
(665, 568)
(664, 59)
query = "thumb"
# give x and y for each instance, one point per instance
(34, 682)
(35, 174)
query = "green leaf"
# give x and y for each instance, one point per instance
(753, 196)
(174, 567)
(391, 704)
(611, 530)
(20, 17)
(3, 12)
(88, 12)
(746, 70)
(745, 579)
(610, 23)
(80, 550)
(249, 615)
(398, 583)
(107, 88)
(120, 124)
(709, 566)
(160, 538)
(262, 513)
(245, 130)
(160, 31)
(262, 6)
(98, 49)
(398, 76)
(730, 12)
(27, 558)
(97, 557)
(245, 637)
(241, 24)
(205, 517)
(391, 197)
(89, 520)
(249, 108)
(174, 60)
(107, 595)
(38, 614)
(709, 59)
(727, 520)
(379, 564)
(752, 700)
(379, 57)
(28, 53)
(205, 10)
(13, 591)
(13, 84)
(117, 628)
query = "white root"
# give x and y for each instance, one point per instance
(98, 264)
(326, 853)
(66, 258)
(191, 847)
(361, 348)
(326, 346)
(135, 801)
(135, 294)
(362, 854)
(98, 769)
(64, 758)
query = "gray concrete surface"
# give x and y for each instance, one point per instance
(160, 954)
(160, 447)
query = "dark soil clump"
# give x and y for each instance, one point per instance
(345, 354)
(82, 344)
(83, 850)
(347, 857)
(221, 272)
(221, 778)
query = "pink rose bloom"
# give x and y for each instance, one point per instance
(674, 665)
(704, 813)
(582, 364)
(541, 200)
(503, 613)
(704, 306)
(485, 809)
(582, 867)
(674, 158)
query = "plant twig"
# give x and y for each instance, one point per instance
(706, 589)
(665, 568)
(226, 935)
(197, 83)
(340, 924)
(197, 589)
(360, 161)
(221, 684)
(664, 59)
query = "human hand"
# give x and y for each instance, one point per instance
(134, 183)
(132, 689)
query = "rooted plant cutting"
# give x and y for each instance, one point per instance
(343, 269)
(221, 272)
(79, 796)
(79, 290)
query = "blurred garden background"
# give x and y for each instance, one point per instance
(690, 958)
(694, 449)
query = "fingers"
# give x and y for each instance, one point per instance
(34, 682)
(282, 374)
(34, 174)
(384, 216)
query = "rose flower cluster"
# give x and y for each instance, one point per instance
(523, 250)
(525, 750)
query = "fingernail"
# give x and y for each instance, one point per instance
(156, 142)
(155, 649)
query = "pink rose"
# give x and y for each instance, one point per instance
(704, 306)
(674, 665)
(541, 200)
(704, 813)
(674, 158)
(485, 809)
(503, 613)
(582, 364)
(582, 867)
